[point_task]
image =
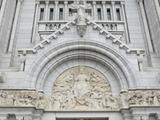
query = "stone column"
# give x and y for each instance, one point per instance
(140, 2)
(113, 11)
(126, 114)
(157, 7)
(104, 10)
(66, 10)
(125, 22)
(14, 26)
(94, 11)
(2, 10)
(56, 10)
(35, 23)
(47, 10)
(148, 43)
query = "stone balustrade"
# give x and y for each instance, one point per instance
(50, 26)
(113, 26)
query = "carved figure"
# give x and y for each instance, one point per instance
(81, 88)
(81, 6)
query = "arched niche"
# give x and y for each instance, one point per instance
(54, 61)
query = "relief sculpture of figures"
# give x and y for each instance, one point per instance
(82, 88)
(81, 6)
(144, 98)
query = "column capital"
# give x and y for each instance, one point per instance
(65, 2)
(47, 2)
(37, 1)
(94, 2)
(112, 2)
(20, 1)
(103, 2)
(56, 2)
(140, 1)
(123, 3)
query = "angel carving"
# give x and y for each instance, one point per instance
(81, 6)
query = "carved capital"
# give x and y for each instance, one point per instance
(94, 2)
(20, 1)
(122, 3)
(140, 1)
(113, 2)
(56, 2)
(47, 2)
(103, 2)
(37, 2)
(65, 2)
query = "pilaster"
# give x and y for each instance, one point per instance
(147, 38)
(94, 10)
(66, 10)
(56, 10)
(113, 10)
(47, 10)
(35, 24)
(104, 10)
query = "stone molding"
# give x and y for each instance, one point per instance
(104, 55)
(47, 40)
(38, 100)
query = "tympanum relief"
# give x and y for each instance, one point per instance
(80, 89)
(83, 88)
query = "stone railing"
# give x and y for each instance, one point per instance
(117, 26)
(50, 26)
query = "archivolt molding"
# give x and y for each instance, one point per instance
(132, 98)
(103, 54)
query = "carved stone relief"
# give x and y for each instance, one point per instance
(81, 20)
(144, 98)
(80, 89)
(83, 88)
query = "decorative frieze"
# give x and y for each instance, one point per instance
(71, 102)
(144, 98)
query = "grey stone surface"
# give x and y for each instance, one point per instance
(41, 52)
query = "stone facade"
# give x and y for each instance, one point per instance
(80, 59)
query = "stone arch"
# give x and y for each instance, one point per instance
(70, 50)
